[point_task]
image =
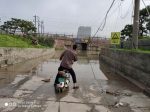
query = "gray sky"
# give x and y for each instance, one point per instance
(65, 16)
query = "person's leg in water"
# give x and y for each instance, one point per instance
(71, 71)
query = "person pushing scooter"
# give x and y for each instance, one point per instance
(68, 57)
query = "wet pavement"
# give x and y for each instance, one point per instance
(21, 88)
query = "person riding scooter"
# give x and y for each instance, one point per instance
(68, 57)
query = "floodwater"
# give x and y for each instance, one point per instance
(22, 82)
(40, 66)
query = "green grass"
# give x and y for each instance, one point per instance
(17, 41)
(144, 38)
(132, 50)
(59, 49)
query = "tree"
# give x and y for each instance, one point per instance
(142, 21)
(127, 32)
(148, 25)
(26, 27)
(144, 25)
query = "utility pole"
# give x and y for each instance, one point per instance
(38, 27)
(43, 29)
(35, 20)
(42, 26)
(136, 25)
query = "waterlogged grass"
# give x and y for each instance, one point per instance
(17, 41)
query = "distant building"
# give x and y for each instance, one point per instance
(84, 32)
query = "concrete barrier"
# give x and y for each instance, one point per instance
(133, 64)
(9, 55)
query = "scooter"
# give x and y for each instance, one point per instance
(63, 80)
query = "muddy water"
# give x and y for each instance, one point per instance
(93, 78)
(15, 73)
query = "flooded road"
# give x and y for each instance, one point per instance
(21, 88)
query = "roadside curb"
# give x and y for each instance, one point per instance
(140, 85)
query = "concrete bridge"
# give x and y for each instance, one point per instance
(83, 44)
(63, 41)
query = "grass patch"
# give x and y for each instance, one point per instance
(139, 38)
(59, 49)
(132, 50)
(17, 41)
(144, 38)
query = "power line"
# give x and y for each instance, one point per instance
(146, 8)
(101, 16)
(115, 9)
(104, 19)
(129, 9)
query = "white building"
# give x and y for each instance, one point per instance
(84, 32)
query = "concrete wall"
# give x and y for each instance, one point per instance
(62, 43)
(16, 55)
(133, 64)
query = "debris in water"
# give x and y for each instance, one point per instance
(128, 94)
(4, 96)
(46, 80)
(3, 78)
(121, 104)
(116, 105)
(112, 93)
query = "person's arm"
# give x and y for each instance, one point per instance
(61, 56)
(75, 57)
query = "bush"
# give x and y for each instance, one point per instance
(46, 42)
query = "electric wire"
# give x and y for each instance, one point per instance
(129, 9)
(69, 27)
(104, 19)
(113, 12)
(146, 8)
(101, 16)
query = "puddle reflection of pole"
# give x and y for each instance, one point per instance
(115, 60)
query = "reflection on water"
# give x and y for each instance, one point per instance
(29, 67)
(41, 66)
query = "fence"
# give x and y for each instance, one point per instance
(142, 44)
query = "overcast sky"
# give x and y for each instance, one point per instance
(65, 16)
